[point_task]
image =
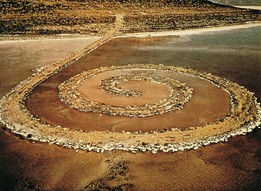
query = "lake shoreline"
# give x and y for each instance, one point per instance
(28, 38)
(193, 31)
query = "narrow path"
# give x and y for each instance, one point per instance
(13, 112)
(114, 31)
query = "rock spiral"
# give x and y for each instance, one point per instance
(178, 96)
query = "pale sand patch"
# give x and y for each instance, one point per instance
(192, 31)
(46, 39)
(250, 7)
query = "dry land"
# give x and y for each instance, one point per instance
(95, 17)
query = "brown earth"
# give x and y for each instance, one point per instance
(231, 166)
(32, 17)
(234, 165)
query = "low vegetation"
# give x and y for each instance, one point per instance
(96, 16)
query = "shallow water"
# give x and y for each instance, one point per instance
(233, 54)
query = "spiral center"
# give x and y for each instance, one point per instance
(111, 85)
(134, 88)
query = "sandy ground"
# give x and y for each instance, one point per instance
(250, 7)
(230, 166)
(193, 31)
(234, 165)
(27, 55)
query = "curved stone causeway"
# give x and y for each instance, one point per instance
(244, 115)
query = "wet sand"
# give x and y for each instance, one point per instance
(233, 165)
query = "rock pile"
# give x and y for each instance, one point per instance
(180, 93)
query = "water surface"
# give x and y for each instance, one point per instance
(233, 54)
